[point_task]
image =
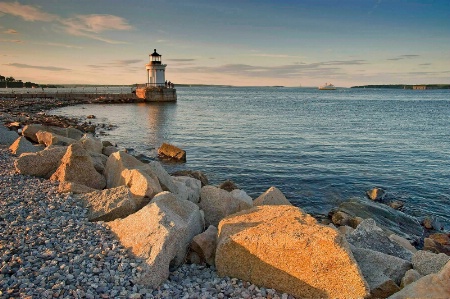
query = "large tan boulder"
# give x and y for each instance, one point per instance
(77, 166)
(49, 138)
(30, 131)
(159, 233)
(273, 196)
(140, 183)
(218, 203)
(166, 181)
(167, 150)
(430, 286)
(99, 161)
(110, 204)
(91, 144)
(284, 248)
(41, 164)
(22, 145)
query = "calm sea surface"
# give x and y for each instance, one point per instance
(319, 147)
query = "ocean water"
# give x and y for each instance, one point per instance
(318, 147)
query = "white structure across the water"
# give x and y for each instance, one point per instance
(156, 70)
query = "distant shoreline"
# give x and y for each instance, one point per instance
(406, 86)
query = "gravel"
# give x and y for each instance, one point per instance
(48, 249)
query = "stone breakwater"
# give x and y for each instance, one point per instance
(49, 249)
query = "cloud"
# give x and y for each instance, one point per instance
(317, 69)
(26, 12)
(181, 59)
(275, 55)
(28, 66)
(17, 41)
(401, 57)
(10, 31)
(90, 26)
(63, 45)
(117, 63)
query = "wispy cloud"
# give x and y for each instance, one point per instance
(401, 57)
(63, 45)
(17, 41)
(26, 12)
(39, 67)
(90, 26)
(275, 55)
(317, 69)
(181, 59)
(10, 31)
(128, 63)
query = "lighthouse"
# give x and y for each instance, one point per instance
(156, 89)
(155, 71)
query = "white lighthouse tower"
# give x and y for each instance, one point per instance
(156, 89)
(155, 71)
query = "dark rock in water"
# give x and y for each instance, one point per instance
(385, 217)
(169, 151)
(228, 185)
(438, 243)
(91, 116)
(376, 194)
(430, 222)
(396, 204)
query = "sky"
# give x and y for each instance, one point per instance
(233, 42)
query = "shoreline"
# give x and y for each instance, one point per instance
(197, 281)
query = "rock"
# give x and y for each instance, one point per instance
(120, 161)
(241, 195)
(30, 131)
(22, 145)
(108, 150)
(99, 161)
(438, 243)
(91, 116)
(159, 233)
(170, 151)
(396, 221)
(427, 222)
(193, 174)
(107, 143)
(340, 218)
(345, 230)
(188, 188)
(410, 276)
(7, 137)
(273, 196)
(355, 221)
(75, 188)
(110, 204)
(382, 272)
(396, 204)
(41, 164)
(376, 194)
(402, 242)
(77, 166)
(426, 262)
(368, 235)
(164, 178)
(228, 186)
(282, 247)
(217, 204)
(91, 144)
(140, 183)
(49, 138)
(205, 245)
(430, 286)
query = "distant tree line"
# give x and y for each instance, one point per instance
(11, 82)
(403, 86)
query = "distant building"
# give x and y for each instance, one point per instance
(421, 87)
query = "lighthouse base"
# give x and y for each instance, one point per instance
(157, 94)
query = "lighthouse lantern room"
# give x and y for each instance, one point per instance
(155, 71)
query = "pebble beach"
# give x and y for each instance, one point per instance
(48, 249)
